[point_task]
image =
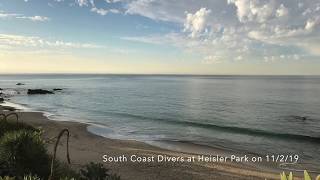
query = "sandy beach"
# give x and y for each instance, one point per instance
(86, 147)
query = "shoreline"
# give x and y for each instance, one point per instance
(86, 147)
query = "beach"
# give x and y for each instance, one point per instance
(86, 147)
(172, 128)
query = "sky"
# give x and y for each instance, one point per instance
(245, 37)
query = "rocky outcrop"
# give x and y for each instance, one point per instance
(38, 91)
(1, 100)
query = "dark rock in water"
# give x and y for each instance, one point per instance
(39, 91)
(1, 89)
(302, 118)
(20, 84)
(1, 99)
(57, 89)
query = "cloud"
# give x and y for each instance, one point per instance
(211, 59)
(34, 18)
(175, 38)
(82, 2)
(254, 10)
(156, 10)
(230, 29)
(312, 23)
(16, 41)
(5, 15)
(104, 12)
(100, 11)
(304, 36)
(239, 58)
(113, 1)
(197, 22)
(282, 11)
(282, 57)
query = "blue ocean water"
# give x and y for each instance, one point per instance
(256, 114)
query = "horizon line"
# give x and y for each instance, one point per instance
(159, 74)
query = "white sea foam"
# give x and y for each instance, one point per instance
(16, 106)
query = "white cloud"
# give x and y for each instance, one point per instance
(311, 24)
(15, 41)
(282, 57)
(211, 59)
(82, 2)
(231, 29)
(34, 18)
(5, 15)
(112, 1)
(304, 37)
(169, 38)
(254, 10)
(197, 22)
(282, 11)
(239, 58)
(100, 11)
(157, 10)
(115, 11)
(300, 4)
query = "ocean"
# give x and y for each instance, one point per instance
(254, 114)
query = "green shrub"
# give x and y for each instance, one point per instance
(23, 152)
(67, 178)
(30, 177)
(63, 171)
(283, 176)
(7, 178)
(96, 171)
(113, 177)
(7, 126)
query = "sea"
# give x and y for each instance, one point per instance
(263, 115)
